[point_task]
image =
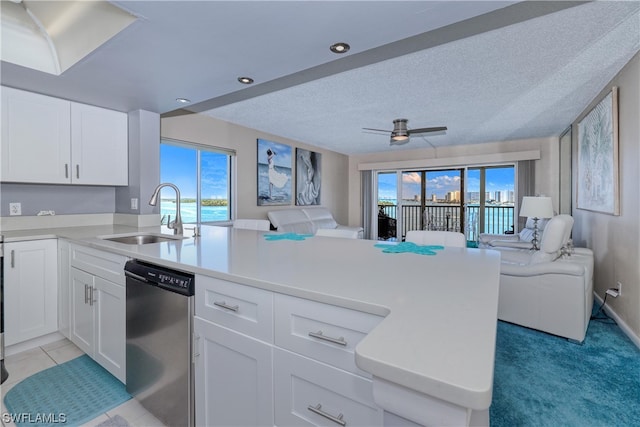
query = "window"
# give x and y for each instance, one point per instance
(480, 200)
(203, 175)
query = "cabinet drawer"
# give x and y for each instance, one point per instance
(311, 393)
(242, 308)
(99, 263)
(321, 331)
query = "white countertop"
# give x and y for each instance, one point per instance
(438, 336)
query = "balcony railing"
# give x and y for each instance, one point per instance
(497, 219)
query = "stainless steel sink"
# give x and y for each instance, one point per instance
(141, 239)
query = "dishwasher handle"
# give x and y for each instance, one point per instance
(135, 276)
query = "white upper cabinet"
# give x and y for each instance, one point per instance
(99, 140)
(53, 141)
(36, 132)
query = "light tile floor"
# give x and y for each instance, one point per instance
(27, 363)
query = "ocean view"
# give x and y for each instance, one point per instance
(189, 212)
(498, 218)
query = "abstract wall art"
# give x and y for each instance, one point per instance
(598, 182)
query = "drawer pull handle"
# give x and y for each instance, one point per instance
(318, 410)
(226, 306)
(321, 336)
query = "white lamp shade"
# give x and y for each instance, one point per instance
(536, 207)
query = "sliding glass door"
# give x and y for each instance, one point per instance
(419, 200)
(490, 200)
(470, 200)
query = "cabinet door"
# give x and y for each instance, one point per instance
(30, 289)
(99, 146)
(81, 331)
(110, 334)
(36, 138)
(233, 377)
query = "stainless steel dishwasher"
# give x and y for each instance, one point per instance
(159, 344)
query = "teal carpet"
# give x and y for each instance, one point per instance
(69, 394)
(544, 380)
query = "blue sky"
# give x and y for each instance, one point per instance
(442, 182)
(178, 166)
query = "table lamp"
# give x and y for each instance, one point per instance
(536, 208)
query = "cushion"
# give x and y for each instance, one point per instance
(298, 227)
(526, 234)
(286, 216)
(321, 217)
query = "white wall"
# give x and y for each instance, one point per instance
(206, 130)
(547, 167)
(615, 240)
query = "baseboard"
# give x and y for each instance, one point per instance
(621, 323)
(33, 343)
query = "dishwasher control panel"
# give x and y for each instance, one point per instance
(172, 280)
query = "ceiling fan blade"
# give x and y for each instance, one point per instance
(426, 130)
(377, 130)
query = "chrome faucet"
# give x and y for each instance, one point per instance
(175, 225)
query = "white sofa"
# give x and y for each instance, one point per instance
(306, 221)
(545, 289)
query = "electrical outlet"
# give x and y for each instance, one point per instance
(134, 203)
(15, 209)
(619, 285)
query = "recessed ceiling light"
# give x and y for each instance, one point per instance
(183, 100)
(245, 80)
(339, 48)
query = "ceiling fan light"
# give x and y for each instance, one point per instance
(399, 137)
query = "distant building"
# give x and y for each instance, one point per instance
(452, 196)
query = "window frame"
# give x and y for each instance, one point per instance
(231, 175)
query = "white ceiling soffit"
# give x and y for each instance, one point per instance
(52, 36)
(532, 77)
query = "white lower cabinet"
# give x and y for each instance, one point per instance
(233, 377)
(30, 289)
(98, 307)
(307, 376)
(311, 393)
(81, 329)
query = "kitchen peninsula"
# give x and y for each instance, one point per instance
(429, 357)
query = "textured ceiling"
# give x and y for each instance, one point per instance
(527, 80)
(490, 71)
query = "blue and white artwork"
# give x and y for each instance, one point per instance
(598, 186)
(274, 173)
(308, 177)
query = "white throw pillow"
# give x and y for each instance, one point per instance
(526, 234)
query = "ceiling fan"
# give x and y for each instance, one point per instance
(400, 133)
